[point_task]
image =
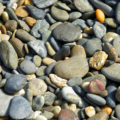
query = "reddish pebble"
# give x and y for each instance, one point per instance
(67, 115)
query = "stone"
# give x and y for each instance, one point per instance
(83, 6)
(5, 100)
(117, 95)
(68, 68)
(59, 82)
(96, 99)
(117, 12)
(117, 111)
(21, 12)
(41, 71)
(99, 116)
(111, 2)
(74, 81)
(66, 32)
(48, 115)
(59, 14)
(27, 67)
(110, 99)
(107, 109)
(98, 60)
(43, 4)
(38, 86)
(108, 10)
(24, 35)
(49, 98)
(111, 51)
(111, 22)
(112, 72)
(11, 25)
(8, 55)
(70, 96)
(37, 60)
(96, 87)
(63, 6)
(18, 46)
(99, 30)
(15, 83)
(1, 8)
(48, 61)
(90, 111)
(4, 37)
(30, 21)
(67, 115)
(39, 47)
(5, 16)
(74, 15)
(35, 12)
(38, 103)
(92, 45)
(19, 108)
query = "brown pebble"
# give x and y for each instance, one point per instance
(26, 49)
(3, 29)
(48, 60)
(30, 21)
(20, 2)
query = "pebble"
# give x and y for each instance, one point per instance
(5, 16)
(5, 100)
(48, 115)
(117, 13)
(117, 95)
(28, 67)
(117, 111)
(99, 116)
(21, 12)
(28, 2)
(37, 60)
(41, 71)
(39, 47)
(112, 72)
(107, 109)
(8, 54)
(96, 99)
(30, 21)
(67, 115)
(66, 32)
(38, 86)
(100, 16)
(18, 46)
(98, 60)
(38, 103)
(83, 6)
(78, 70)
(74, 15)
(48, 61)
(35, 12)
(11, 25)
(111, 22)
(99, 30)
(49, 98)
(19, 108)
(59, 82)
(43, 4)
(69, 95)
(1, 8)
(15, 83)
(59, 14)
(24, 35)
(90, 111)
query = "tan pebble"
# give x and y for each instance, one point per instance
(13, 35)
(59, 82)
(66, 58)
(48, 61)
(30, 21)
(56, 110)
(4, 37)
(37, 60)
(72, 107)
(5, 16)
(50, 50)
(26, 48)
(21, 11)
(90, 111)
(98, 60)
(30, 77)
(41, 117)
(20, 2)
(88, 30)
(20, 60)
(3, 29)
(29, 2)
(20, 93)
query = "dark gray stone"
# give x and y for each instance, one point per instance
(15, 83)
(19, 108)
(111, 2)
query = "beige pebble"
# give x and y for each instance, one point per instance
(48, 61)
(56, 110)
(98, 60)
(5, 16)
(59, 82)
(37, 60)
(90, 111)
(72, 107)
(30, 77)
(4, 37)
(26, 48)
(20, 93)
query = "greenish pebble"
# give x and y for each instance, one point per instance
(37, 60)
(75, 15)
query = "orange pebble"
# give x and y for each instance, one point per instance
(29, 2)
(107, 109)
(100, 16)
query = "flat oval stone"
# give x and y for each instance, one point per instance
(59, 14)
(112, 72)
(67, 32)
(74, 15)
(15, 83)
(28, 67)
(19, 108)
(43, 3)
(8, 55)
(83, 6)
(96, 99)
